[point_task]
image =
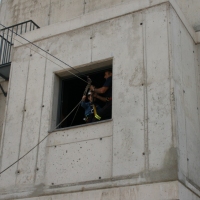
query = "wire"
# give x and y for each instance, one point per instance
(50, 60)
(67, 115)
(57, 65)
(75, 114)
(43, 51)
(42, 139)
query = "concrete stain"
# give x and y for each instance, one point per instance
(38, 190)
(169, 170)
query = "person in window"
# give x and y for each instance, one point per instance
(89, 107)
(104, 94)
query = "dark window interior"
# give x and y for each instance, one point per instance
(71, 92)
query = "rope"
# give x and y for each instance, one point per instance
(46, 53)
(57, 65)
(75, 114)
(50, 60)
(41, 140)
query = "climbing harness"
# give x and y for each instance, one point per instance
(95, 113)
(94, 110)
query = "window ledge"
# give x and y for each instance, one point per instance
(82, 125)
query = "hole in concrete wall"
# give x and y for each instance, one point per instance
(71, 91)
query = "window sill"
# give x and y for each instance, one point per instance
(82, 125)
(81, 133)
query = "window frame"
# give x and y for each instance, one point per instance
(60, 76)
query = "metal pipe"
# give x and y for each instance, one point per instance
(21, 28)
(20, 24)
(5, 48)
(25, 27)
(10, 45)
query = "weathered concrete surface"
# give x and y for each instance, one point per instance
(185, 63)
(139, 146)
(141, 130)
(186, 194)
(33, 104)
(4, 84)
(15, 115)
(158, 89)
(18, 11)
(79, 162)
(191, 10)
(62, 10)
(53, 11)
(157, 191)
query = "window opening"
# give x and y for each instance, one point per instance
(71, 92)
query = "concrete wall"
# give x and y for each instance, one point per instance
(185, 62)
(2, 104)
(191, 11)
(137, 146)
(154, 133)
(156, 191)
(53, 11)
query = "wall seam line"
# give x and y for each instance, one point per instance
(38, 147)
(19, 149)
(146, 147)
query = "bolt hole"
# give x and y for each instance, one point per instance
(99, 177)
(141, 23)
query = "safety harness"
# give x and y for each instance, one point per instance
(93, 105)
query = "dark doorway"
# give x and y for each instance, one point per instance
(71, 92)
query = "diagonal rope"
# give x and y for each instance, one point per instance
(50, 60)
(75, 114)
(45, 52)
(41, 140)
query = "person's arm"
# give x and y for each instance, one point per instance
(101, 90)
(104, 99)
(104, 88)
(83, 104)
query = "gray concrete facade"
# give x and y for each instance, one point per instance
(150, 147)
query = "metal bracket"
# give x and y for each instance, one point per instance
(4, 93)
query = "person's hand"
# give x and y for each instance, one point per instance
(92, 88)
(83, 98)
(94, 94)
